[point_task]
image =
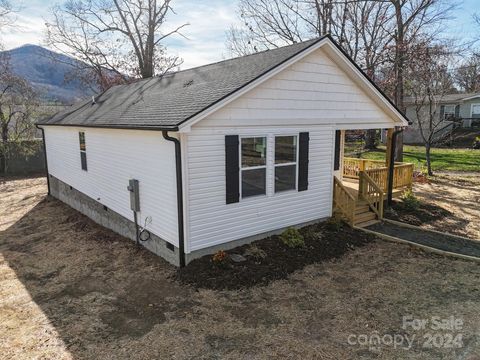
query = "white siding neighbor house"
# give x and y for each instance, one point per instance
(452, 111)
(216, 156)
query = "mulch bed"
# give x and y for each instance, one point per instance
(323, 241)
(424, 214)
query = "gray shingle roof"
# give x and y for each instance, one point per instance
(448, 98)
(165, 102)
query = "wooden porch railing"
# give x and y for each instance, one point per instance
(344, 201)
(378, 172)
(403, 176)
(353, 166)
(369, 191)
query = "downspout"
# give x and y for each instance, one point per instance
(391, 166)
(45, 156)
(178, 165)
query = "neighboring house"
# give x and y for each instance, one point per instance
(454, 110)
(224, 153)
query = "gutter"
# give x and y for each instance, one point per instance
(391, 166)
(122, 127)
(45, 156)
(178, 168)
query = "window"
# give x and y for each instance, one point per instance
(285, 163)
(449, 111)
(476, 111)
(253, 172)
(83, 150)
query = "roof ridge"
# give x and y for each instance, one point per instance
(244, 56)
(167, 74)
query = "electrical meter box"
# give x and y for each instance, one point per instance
(134, 188)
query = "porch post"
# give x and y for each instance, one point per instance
(389, 147)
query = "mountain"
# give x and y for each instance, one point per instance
(40, 67)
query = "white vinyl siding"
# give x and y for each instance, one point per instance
(114, 157)
(312, 91)
(212, 222)
(312, 95)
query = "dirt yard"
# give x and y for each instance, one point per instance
(458, 196)
(72, 290)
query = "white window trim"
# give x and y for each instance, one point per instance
(296, 135)
(471, 109)
(445, 112)
(241, 168)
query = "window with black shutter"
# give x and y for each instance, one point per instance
(83, 150)
(246, 165)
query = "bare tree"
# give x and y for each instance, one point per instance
(429, 81)
(116, 39)
(413, 19)
(18, 104)
(7, 11)
(375, 33)
(467, 76)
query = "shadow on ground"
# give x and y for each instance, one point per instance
(90, 283)
(102, 298)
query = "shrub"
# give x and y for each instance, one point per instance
(220, 258)
(335, 223)
(292, 238)
(476, 143)
(410, 201)
(255, 252)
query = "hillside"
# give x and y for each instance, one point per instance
(47, 76)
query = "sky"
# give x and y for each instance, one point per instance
(205, 36)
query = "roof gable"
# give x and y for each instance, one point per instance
(311, 91)
(170, 100)
(185, 97)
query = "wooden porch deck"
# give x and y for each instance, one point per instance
(360, 195)
(352, 186)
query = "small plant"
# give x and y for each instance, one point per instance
(292, 238)
(476, 143)
(255, 252)
(410, 201)
(335, 223)
(220, 258)
(424, 171)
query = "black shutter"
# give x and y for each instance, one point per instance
(457, 111)
(336, 164)
(232, 169)
(303, 161)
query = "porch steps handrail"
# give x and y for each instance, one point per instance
(372, 193)
(344, 201)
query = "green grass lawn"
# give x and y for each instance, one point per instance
(442, 159)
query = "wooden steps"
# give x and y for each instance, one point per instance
(364, 216)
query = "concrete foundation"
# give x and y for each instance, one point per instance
(126, 227)
(110, 219)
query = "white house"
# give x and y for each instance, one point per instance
(223, 154)
(451, 110)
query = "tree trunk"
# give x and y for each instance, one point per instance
(399, 71)
(3, 150)
(370, 139)
(428, 160)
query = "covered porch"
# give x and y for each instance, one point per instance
(361, 185)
